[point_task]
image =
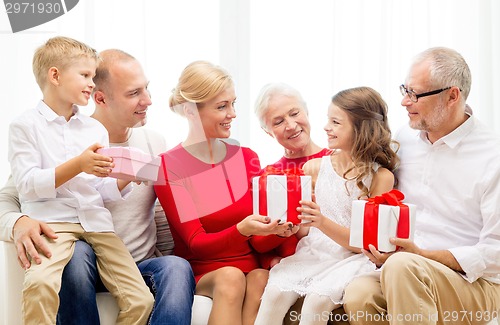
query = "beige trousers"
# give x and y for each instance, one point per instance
(116, 268)
(412, 289)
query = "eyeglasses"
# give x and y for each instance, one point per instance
(414, 97)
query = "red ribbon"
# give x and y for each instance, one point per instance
(370, 224)
(294, 191)
(271, 170)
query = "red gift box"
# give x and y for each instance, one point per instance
(276, 193)
(376, 220)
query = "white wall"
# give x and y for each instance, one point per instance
(320, 47)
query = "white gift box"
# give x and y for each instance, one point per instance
(381, 227)
(132, 164)
(278, 195)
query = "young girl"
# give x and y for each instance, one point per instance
(360, 166)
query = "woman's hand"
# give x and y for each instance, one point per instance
(262, 226)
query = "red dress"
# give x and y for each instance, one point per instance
(204, 202)
(285, 163)
(284, 247)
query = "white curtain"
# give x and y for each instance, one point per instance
(318, 46)
(322, 46)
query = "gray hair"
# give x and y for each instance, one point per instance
(447, 68)
(272, 90)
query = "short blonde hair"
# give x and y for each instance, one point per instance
(199, 82)
(59, 52)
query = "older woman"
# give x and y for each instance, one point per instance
(204, 188)
(283, 115)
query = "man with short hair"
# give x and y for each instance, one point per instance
(450, 168)
(121, 98)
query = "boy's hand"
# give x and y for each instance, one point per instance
(94, 163)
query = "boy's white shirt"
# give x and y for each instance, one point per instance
(133, 218)
(40, 140)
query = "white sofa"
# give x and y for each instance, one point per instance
(12, 275)
(11, 284)
(11, 278)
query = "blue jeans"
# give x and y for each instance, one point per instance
(169, 278)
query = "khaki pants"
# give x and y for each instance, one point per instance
(116, 268)
(412, 289)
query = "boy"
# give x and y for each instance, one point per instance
(49, 148)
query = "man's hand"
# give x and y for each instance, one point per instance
(29, 242)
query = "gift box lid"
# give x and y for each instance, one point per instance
(132, 164)
(131, 153)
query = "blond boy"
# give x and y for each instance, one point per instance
(61, 181)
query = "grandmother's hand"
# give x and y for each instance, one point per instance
(289, 230)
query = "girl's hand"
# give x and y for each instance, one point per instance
(312, 214)
(379, 258)
(93, 163)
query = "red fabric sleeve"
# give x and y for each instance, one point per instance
(209, 237)
(201, 244)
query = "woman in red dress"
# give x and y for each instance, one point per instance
(204, 187)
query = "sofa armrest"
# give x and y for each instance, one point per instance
(11, 282)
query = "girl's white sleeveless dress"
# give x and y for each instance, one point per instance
(320, 265)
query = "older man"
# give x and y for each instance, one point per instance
(450, 168)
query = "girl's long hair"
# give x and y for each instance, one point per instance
(372, 136)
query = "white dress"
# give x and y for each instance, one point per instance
(320, 265)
